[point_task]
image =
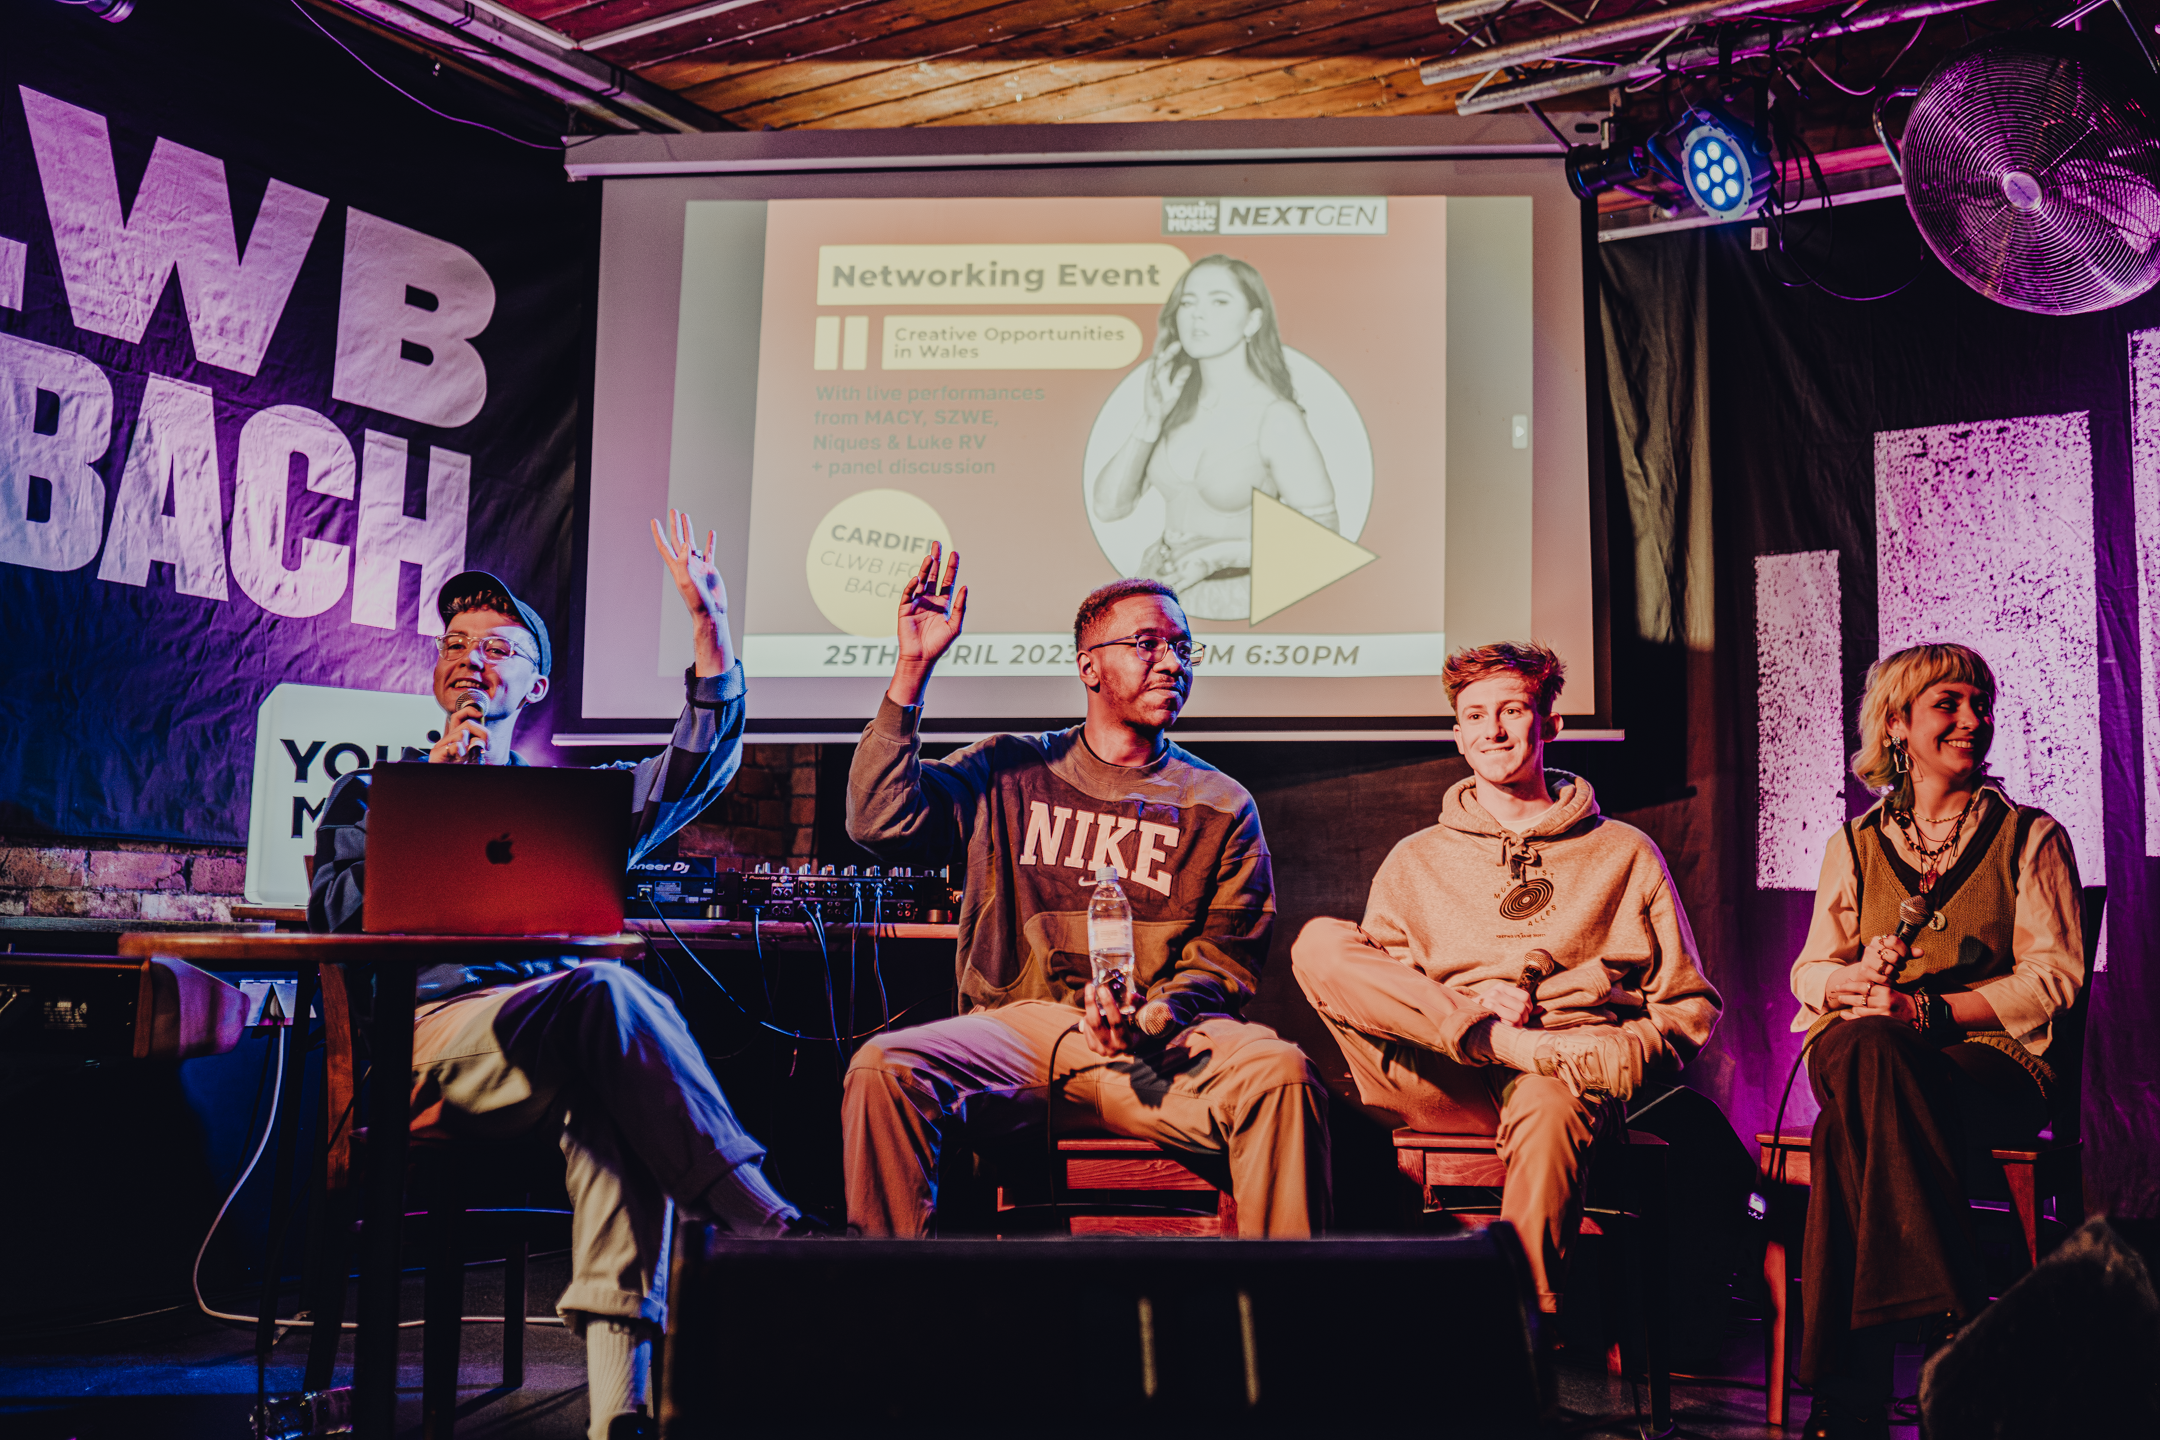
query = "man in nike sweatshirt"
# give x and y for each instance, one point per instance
(1036, 817)
(1521, 963)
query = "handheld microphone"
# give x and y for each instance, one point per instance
(1538, 966)
(476, 753)
(1912, 918)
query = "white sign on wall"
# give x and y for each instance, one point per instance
(1800, 755)
(307, 737)
(1984, 535)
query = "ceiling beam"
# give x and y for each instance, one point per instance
(1413, 137)
(522, 50)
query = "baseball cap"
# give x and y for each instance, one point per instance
(476, 582)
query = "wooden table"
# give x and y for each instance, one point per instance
(284, 917)
(396, 960)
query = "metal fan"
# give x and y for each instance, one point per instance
(2032, 166)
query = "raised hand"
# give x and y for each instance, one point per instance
(933, 610)
(704, 593)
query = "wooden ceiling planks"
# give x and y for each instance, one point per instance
(784, 64)
(1087, 87)
(966, 48)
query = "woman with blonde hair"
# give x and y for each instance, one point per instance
(1922, 1055)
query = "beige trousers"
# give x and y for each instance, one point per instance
(1386, 1015)
(1223, 1089)
(604, 1056)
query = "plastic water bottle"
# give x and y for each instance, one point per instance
(1110, 943)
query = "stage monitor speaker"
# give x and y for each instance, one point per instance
(1072, 1337)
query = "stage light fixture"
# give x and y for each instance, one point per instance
(1725, 173)
(1591, 171)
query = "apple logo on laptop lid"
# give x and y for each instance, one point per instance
(498, 850)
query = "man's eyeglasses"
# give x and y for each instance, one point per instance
(493, 648)
(1151, 648)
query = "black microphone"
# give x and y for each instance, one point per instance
(1912, 918)
(1538, 967)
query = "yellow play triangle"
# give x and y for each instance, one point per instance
(1292, 557)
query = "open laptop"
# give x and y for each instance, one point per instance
(496, 850)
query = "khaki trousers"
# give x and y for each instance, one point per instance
(1222, 1089)
(1386, 1016)
(604, 1056)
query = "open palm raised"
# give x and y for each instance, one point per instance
(932, 611)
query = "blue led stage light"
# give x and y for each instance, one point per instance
(1723, 171)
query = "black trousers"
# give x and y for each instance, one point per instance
(1904, 1132)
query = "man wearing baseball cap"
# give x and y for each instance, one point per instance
(591, 1050)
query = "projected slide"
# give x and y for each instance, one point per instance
(1243, 398)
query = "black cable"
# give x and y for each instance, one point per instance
(1777, 1126)
(681, 1003)
(877, 970)
(757, 948)
(729, 995)
(1050, 1092)
(854, 975)
(814, 914)
(1777, 214)
(1884, 78)
(442, 114)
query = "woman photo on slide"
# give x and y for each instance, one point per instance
(1220, 420)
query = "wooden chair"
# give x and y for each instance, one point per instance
(1108, 1185)
(1435, 1161)
(445, 1176)
(2049, 1175)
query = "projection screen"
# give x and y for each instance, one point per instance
(1328, 380)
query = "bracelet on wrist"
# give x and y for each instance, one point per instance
(1931, 1014)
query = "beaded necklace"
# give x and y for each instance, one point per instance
(1908, 824)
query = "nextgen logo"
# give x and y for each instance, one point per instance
(1279, 215)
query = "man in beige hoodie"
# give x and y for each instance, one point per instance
(1521, 963)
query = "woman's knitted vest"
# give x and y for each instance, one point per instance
(1975, 904)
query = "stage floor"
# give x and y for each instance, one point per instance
(178, 1376)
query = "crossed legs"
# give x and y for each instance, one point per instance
(604, 1056)
(1387, 1017)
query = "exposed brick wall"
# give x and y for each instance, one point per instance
(119, 879)
(768, 813)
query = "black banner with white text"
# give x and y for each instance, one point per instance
(279, 353)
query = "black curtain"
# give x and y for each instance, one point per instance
(1746, 390)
